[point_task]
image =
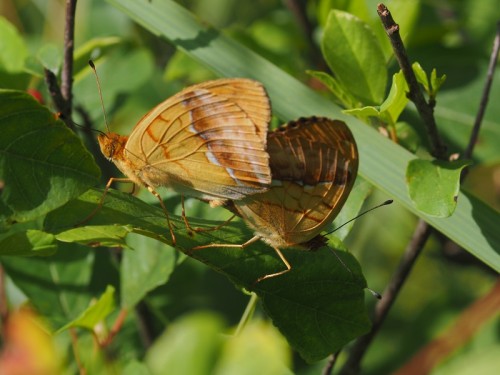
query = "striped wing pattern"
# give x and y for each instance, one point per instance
(314, 163)
(207, 141)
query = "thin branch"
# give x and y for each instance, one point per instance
(484, 101)
(116, 327)
(458, 334)
(413, 250)
(331, 363)
(425, 110)
(62, 95)
(59, 101)
(69, 44)
(423, 230)
(451, 249)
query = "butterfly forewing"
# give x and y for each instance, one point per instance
(207, 141)
(314, 163)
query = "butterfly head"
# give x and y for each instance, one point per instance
(112, 145)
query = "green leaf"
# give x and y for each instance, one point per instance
(270, 353)
(421, 75)
(147, 266)
(14, 51)
(135, 368)
(199, 336)
(436, 82)
(397, 99)
(322, 293)
(458, 104)
(112, 70)
(191, 345)
(364, 113)
(407, 136)
(93, 49)
(95, 313)
(391, 108)
(50, 57)
(319, 307)
(354, 55)
(405, 12)
(28, 243)
(183, 67)
(341, 94)
(38, 176)
(57, 286)
(434, 185)
(382, 162)
(433, 87)
(95, 235)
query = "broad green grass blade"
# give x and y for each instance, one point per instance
(474, 225)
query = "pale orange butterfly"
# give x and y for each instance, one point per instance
(207, 141)
(314, 163)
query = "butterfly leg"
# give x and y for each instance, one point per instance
(101, 201)
(189, 227)
(170, 226)
(271, 275)
(242, 246)
(229, 245)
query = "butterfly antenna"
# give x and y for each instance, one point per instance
(386, 203)
(91, 63)
(374, 293)
(77, 125)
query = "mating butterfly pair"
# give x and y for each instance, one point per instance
(210, 141)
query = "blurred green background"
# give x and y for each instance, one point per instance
(140, 71)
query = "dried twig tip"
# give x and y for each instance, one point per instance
(382, 9)
(91, 63)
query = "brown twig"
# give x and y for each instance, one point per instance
(456, 336)
(116, 327)
(59, 101)
(332, 359)
(451, 249)
(69, 44)
(413, 250)
(62, 95)
(484, 101)
(425, 110)
(423, 230)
